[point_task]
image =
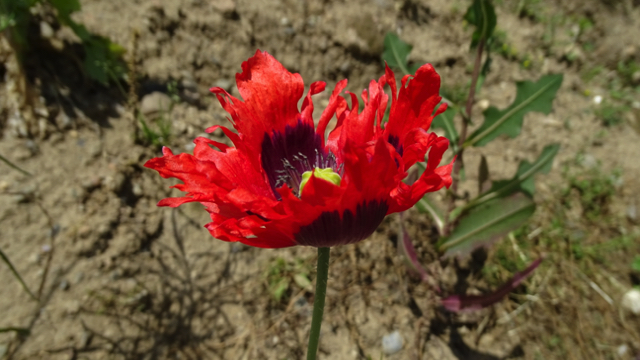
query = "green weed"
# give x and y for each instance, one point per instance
(281, 275)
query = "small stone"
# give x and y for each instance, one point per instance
(78, 277)
(64, 285)
(85, 339)
(73, 134)
(72, 308)
(597, 99)
(589, 161)
(114, 183)
(95, 149)
(46, 31)
(35, 258)
(631, 301)
(622, 350)
(115, 274)
(63, 121)
(136, 189)
(91, 183)
(155, 104)
(56, 138)
(188, 83)
(84, 231)
(32, 147)
(392, 343)
(345, 67)
(632, 213)
(484, 104)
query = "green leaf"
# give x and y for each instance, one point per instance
(482, 15)
(483, 175)
(484, 71)
(524, 178)
(14, 166)
(635, 265)
(530, 96)
(425, 205)
(303, 281)
(396, 52)
(445, 121)
(278, 289)
(16, 274)
(523, 181)
(487, 223)
(65, 8)
(18, 330)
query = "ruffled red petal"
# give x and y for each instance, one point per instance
(415, 102)
(251, 190)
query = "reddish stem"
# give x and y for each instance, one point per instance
(463, 136)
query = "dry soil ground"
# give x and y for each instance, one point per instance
(128, 280)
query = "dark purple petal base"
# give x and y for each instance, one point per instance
(331, 229)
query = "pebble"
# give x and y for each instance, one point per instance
(622, 350)
(114, 183)
(483, 104)
(589, 161)
(85, 339)
(116, 274)
(136, 189)
(63, 121)
(392, 343)
(46, 31)
(35, 258)
(64, 285)
(78, 277)
(155, 104)
(95, 149)
(632, 212)
(631, 301)
(597, 99)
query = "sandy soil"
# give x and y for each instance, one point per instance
(128, 280)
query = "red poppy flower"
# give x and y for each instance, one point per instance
(253, 191)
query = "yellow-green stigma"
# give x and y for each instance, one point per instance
(325, 174)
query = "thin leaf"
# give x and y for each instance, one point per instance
(20, 331)
(16, 274)
(635, 265)
(303, 281)
(530, 96)
(6, 161)
(408, 252)
(396, 52)
(523, 181)
(425, 205)
(457, 303)
(445, 121)
(481, 14)
(487, 223)
(484, 72)
(483, 175)
(65, 7)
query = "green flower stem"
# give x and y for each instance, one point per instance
(318, 302)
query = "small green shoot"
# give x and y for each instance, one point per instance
(282, 274)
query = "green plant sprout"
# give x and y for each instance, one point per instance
(103, 58)
(501, 206)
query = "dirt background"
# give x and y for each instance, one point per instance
(128, 280)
